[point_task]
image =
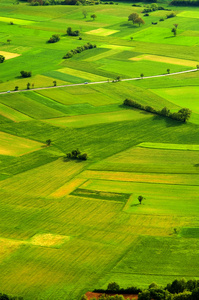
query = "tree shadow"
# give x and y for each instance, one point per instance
(135, 204)
(169, 122)
(169, 37)
(129, 25)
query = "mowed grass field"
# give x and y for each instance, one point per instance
(70, 226)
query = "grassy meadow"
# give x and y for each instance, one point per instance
(69, 226)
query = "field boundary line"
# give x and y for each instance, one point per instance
(100, 82)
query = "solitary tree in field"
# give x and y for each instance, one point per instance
(85, 13)
(132, 17)
(8, 41)
(28, 85)
(139, 21)
(16, 88)
(142, 75)
(174, 30)
(197, 66)
(93, 16)
(131, 38)
(55, 82)
(118, 78)
(33, 85)
(168, 71)
(48, 142)
(2, 58)
(140, 198)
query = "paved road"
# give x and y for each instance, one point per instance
(98, 82)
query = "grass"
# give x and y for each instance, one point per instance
(185, 96)
(70, 227)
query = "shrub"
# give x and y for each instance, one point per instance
(25, 74)
(54, 38)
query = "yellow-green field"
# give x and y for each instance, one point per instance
(16, 146)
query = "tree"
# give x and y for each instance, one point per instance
(2, 58)
(142, 75)
(185, 114)
(197, 67)
(118, 78)
(195, 294)
(174, 30)
(69, 30)
(55, 82)
(54, 38)
(28, 85)
(175, 25)
(16, 88)
(113, 287)
(85, 13)
(131, 38)
(93, 16)
(25, 74)
(132, 17)
(8, 41)
(168, 71)
(48, 142)
(139, 21)
(140, 198)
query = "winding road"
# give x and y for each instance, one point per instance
(98, 82)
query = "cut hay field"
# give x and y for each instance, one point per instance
(70, 226)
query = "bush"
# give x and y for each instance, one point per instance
(54, 38)
(25, 74)
(79, 49)
(2, 58)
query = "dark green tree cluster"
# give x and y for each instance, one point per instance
(63, 2)
(182, 115)
(76, 154)
(135, 18)
(79, 49)
(185, 2)
(54, 38)
(2, 58)
(7, 297)
(70, 32)
(26, 74)
(179, 289)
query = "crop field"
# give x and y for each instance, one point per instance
(69, 226)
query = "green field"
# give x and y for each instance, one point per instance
(71, 226)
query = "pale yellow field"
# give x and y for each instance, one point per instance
(102, 32)
(78, 73)
(164, 59)
(8, 246)
(49, 240)
(179, 179)
(68, 187)
(38, 81)
(9, 55)
(16, 146)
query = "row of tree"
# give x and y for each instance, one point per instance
(79, 49)
(182, 115)
(177, 290)
(65, 2)
(185, 2)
